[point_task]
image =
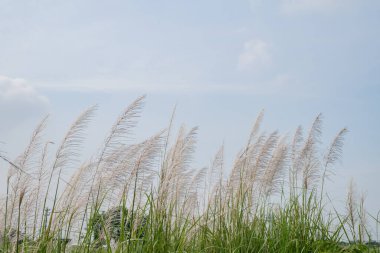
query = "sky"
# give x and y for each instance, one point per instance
(221, 62)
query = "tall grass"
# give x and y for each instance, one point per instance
(147, 197)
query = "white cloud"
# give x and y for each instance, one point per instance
(256, 3)
(19, 102)
(280, 82)
(256, 53)
(303, 6)
(12, 89)
(294, 6)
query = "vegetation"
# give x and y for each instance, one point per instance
(146, 197)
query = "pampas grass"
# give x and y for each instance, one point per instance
(147, 196)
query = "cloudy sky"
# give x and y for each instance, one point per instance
(220, 61)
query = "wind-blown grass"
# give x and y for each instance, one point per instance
(147, 197)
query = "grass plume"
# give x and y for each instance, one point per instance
(147, 196)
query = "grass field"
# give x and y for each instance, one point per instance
(147, 197)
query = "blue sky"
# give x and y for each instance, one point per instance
(220, 61)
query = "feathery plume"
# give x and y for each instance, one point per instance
(274, 171)
(309, 162)
(335, 150)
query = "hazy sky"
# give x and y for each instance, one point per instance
(220, 61)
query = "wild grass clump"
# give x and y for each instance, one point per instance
(147, 197)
